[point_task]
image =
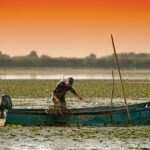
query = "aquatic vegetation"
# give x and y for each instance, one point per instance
(18, 126)
(86, 88)
(43, 137)
(136, 137)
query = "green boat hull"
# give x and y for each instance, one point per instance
(98, 116)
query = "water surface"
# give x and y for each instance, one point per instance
(75, 76)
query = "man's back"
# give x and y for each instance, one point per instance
(61, 89)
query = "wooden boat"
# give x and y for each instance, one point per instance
(94, 116)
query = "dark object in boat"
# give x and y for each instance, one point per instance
(6, 102)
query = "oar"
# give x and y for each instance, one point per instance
(123, 92)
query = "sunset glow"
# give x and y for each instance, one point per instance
(74, 28)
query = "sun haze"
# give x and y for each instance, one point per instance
(74, 28)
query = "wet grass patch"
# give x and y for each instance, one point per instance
(86, 88)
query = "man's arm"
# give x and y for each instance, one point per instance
(81, 99)
(75, 93)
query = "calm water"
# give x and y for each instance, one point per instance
(76, 76)
(73, 138)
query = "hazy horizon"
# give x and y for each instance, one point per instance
(68, 56)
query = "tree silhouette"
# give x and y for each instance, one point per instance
(33, 54)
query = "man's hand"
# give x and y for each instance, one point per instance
(81, 99)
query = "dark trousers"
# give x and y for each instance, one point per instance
(61, 105)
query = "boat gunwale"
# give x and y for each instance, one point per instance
(80, 111)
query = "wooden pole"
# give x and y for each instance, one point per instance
(123, 93)
(112, 96)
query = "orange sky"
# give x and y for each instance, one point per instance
(74, 28)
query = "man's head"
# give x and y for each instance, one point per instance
(70, 81)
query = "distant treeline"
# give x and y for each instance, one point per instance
(126, 61)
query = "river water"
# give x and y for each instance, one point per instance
(73, 138)
(75, 76)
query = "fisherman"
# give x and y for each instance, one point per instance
(59, 93)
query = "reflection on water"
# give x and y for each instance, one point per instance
(76, 76)
(73, 138)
